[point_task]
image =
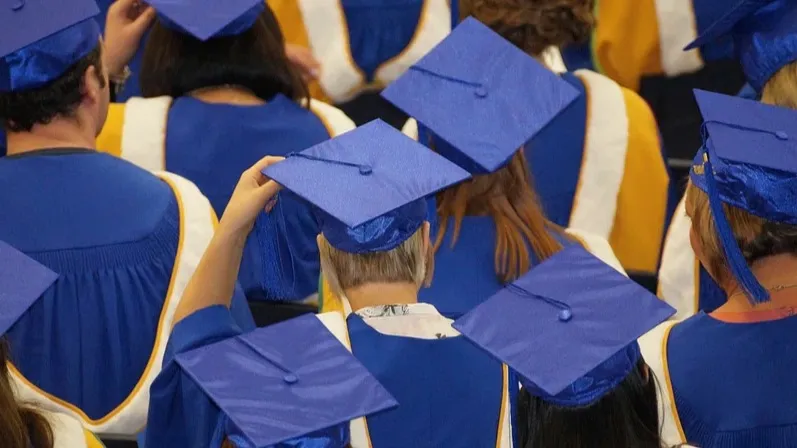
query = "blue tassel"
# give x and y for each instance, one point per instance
(278, 275)
(752, 288)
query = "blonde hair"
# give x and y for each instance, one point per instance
(781, 89)
(757, 237)
(410, 262)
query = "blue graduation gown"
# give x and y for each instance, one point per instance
(280, 259)
(555, 173)
(427, 377)
(234, 138)
(736, 387)
(634, 40)
(180, 413)
(642, 197)
(111, 231)
(362, 45)
(472, 258)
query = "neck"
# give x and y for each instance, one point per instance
(60, 133)
(375, 294)
(775, 272)
(227, 94)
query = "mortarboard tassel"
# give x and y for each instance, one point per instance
(268, 230)
(565, 312)
(752, 288)
(290, 376)
(365, 170)
(481, 91)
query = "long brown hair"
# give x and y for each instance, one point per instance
(20, 426)
(535, 25)
(508, 197)
(176, 63)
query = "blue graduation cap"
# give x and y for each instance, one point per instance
(22, 282)
(206, 19)
(748, 160)
(41, 39)
(764, 33)
(289, 381)
(368, 186)
(481, 97)
(568, 327)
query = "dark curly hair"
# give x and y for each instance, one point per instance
(20, 111)
(534, 25)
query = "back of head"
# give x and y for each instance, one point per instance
(507, 196)
(534, 25)
(757, 237)
(175, 63)
(21, 110)
(410, 262)
(625, 417)
(20, 427)
(781, 89)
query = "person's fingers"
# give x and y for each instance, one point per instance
(309, 65)
(270, 204)
(306, 60)
(121, 8)
(144, 20)
(267, 192)
(255, 172)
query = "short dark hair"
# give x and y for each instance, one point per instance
(628, 416)
(176, 63)
(22, 110)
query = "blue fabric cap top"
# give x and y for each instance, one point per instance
(568, 327)
(41, 39)
(481, 97)
(748, 160)
(22, 281)
(288, 385)
(764, 33)
(206, 19)
(368, 186)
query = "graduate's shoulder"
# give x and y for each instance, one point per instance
(609, 92)
(335, 121)
(103, 199)
(68, 432)
(595, 244)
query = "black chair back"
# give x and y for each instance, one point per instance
(269, 313)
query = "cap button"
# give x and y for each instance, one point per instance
(565, 315)
(782, 135)
(365, 170)
(290, 378)
(18, 5)
(481, 92)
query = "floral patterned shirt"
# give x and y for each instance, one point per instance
(415, 320)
